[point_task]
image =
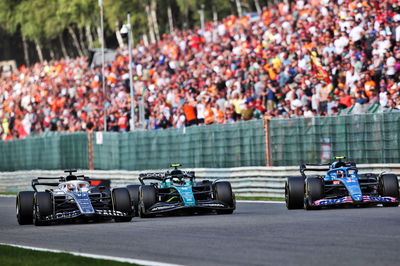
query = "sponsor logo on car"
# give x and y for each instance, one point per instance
(110, 213)
(63, 215)
(159, 208)
(213, 205)
(380, 199)
(330, 201)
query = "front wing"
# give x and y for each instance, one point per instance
(77, 214)
(206, 206)
(349, 200)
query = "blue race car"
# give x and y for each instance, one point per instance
(177, 191)
(341, 185)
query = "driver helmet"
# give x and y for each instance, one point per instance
(340, 174)
(71, 187)
(176, 172)
(83, 185)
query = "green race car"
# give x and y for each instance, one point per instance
(177, 191)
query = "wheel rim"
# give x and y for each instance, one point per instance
(35, 214)
(113, 200)
(287, 195)
(18, 207)
(140, 211)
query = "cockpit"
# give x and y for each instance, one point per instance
(74, 186)
(342, 173)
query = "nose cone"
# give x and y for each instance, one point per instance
(357, 197)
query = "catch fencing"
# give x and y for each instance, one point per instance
(363, 138)
(219, 146)
(48, 151)
(228, 145)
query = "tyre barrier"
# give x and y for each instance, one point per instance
(245, 181)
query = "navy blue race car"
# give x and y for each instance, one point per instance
(178, 191)
(73, 197)
(341, 185)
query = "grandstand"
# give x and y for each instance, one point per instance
(316, 58)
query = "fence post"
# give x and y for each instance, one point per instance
(90, 148)
(267, 149)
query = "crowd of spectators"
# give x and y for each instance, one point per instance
(237, 69)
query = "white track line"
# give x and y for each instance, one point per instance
(94, 256)
(8, 196)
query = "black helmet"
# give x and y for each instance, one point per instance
(176, 172)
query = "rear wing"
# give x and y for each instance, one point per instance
(151, 176)
(55, 181)
(50, 181)
(314, 168)
(163, 176)
(184, 174)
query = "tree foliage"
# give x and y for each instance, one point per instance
(44, 20)
(116, 13)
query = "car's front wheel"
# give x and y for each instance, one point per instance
(148, 197)
(223, 193)
(389, 187)
(24, 207)
(294, 192)
(43, 206)
(134, 194)
(122, 203)
(314, 191)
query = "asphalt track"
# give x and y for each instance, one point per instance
(256, 234)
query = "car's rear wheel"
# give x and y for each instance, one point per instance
(134, 194)
(24, 207)
(43, 206)
(148, 197)
(294, 192)
(389, 187)
(223, 193)
(314, 191)
(122, 203)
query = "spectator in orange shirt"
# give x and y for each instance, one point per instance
(369, 86)
(190, 114)
(219, 115)
(344, 100)
(209, 114)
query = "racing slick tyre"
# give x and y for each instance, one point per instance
(42, 207)
(223, 193)
(148, 197)
(24, 207)
(122, 203)
(389, 187)
(134, 194)
(314, 191)
(294, 192)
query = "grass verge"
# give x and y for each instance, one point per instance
(8, 193)
(259, 198)
(19, 256)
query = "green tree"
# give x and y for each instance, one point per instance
(115, 13)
